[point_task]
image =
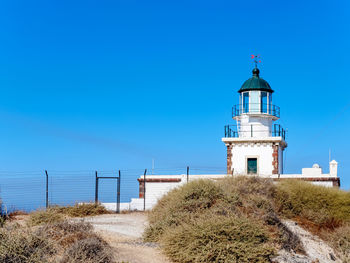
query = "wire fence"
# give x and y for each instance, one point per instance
(28, 191)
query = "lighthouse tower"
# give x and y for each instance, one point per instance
(255, 143)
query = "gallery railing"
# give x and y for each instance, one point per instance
(256, 108)
(232, 131)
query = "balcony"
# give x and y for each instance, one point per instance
(256, 108)
(249, 131)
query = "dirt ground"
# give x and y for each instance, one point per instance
(123, 232)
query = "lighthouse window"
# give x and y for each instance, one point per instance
(246, 102)
(263, 102)
(254, 101)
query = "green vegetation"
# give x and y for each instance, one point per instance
(239, 219)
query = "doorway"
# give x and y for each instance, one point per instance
(252, 165)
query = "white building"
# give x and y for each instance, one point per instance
(255, 146)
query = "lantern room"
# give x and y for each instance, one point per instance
(256, 98)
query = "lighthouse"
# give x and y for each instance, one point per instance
(255, 143)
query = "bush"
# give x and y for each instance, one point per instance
(251, 196)
(89, 250)
(57, 213)
(182, 205)
(82, 210)
(232, 220)
(65, 241)
(19, 245)
(219, 239)
(248, 185)
(48, 216)
(66, 233)
(324, 207)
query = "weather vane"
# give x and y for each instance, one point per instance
(257, 59)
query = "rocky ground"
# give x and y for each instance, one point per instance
(316, 250)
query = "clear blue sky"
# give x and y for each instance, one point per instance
(113, 84)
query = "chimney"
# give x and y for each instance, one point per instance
(333, 168)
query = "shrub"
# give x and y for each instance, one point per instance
(82, 210)
(251, 196)
(322, 206)
(66, 233)
(48, 216)
(57, 213)
(231, 220)
(219, 239)
(89, 250)
(182, 205)
(248, 185)
(65, 241)
(18, 245)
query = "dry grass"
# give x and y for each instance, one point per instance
(219, 239)
(316, 206)
(48, 216)
(182, 205)
(65, 241)
(19, 245)
(49, 238)
(88, 250)
(66, 233)
(339, 239)
(82, 210)
(233, 220)
(59, 213)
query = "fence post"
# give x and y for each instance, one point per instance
(188, 173)
(47, 189)
(118, 193)
(144, 190)
(96, 188)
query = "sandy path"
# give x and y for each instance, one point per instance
(123, 232)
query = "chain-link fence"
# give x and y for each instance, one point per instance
(33, 190)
